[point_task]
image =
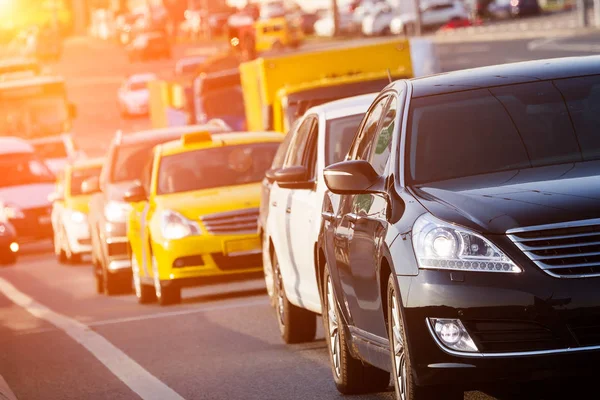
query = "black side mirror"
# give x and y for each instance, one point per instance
(135, 194)
(90, 185)
(294, 178)
(72, 110)
(352, 177)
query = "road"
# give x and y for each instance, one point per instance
(61, 340)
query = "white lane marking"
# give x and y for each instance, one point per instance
(5, 391)
(176, 313)
(550, 44)
(140, 381)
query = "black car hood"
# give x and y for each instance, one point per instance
(494, 203)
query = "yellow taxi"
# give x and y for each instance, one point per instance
(70, 208)
(194, 213)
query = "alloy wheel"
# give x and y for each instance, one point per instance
(399, 349)
(334, 333)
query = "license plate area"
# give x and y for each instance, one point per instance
(242, 246)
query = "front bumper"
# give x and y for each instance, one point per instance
(78, 237)
(206, 256)
(115, 247)
(526, 326)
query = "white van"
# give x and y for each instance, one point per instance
(25, 185)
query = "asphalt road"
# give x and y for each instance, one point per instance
(60, 340)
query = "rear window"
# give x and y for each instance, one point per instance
(505, 128)
(339, 135)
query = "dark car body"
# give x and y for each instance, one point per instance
(516, 172)
(149, 46)
(126, 158)
(8, 238)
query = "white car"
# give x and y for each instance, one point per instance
(324, 26)
(56, 151)
(377, 20)
(434, 14)
(25, 186)
(320, 138)
(133, 95)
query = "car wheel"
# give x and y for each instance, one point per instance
(74, 258)
(166, 295)
(351, 376)
(111, 284)
(402, 374)
(296, 324)
(144, 293)
(61, 255)
(99, 282)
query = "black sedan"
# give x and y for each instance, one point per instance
(460, 242)
(9, 246)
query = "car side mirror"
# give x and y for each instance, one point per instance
(135, 194)
(90, 185)
(352, 177)
(293, 178)
(270, 174)
(72, 110)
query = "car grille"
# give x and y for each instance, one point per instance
(569, 250)
(500, 336)
(585, 329)
(229, 263)
(239, 221)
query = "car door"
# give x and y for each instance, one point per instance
(281, 203)
(345, 218)
(369, 213)
(302, 211)
(138, 236)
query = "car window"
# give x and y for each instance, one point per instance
(310, 159)
(364, 139)
(282, 150)
(146, 178)
(339, 133)
(505, 128)
(383, 139)
(295, 155)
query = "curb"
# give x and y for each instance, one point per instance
(5, 392)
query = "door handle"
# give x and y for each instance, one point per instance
(288, 210)
(353, 217)
(328, 216)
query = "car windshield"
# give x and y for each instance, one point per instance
(23, 169)
(339, 135)
(215, 167)
(51, 149)
(130, 160)
(504, 128)
(33, 116)
(81, 174)
(228, 101)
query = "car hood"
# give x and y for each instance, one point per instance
(27, 196)
(194, 205)
(494, 203)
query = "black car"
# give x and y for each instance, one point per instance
(149, 46)
(9, 246)
(460, 242)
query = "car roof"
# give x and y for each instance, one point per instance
(12, 145)
(220, 140)
(505, 74)
(166, 134)
(344, 107)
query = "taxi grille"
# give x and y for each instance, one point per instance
(569, 250)
(237, 222)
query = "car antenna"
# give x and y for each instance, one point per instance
(389, 74)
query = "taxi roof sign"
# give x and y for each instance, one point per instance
(196, 137)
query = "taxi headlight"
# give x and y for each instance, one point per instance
(77, 216)
(441, 245)
(175, 226)
(116, 211)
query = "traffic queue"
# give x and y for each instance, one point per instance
(444, 228)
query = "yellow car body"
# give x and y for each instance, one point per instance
(222, 219)
(70, 207)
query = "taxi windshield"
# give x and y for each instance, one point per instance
(34, 116)
(80, 175)
(23, 169)
(216, 167)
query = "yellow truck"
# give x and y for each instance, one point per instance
(279, 89)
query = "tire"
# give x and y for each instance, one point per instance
(145, 293)
(111, 284)
(402, 375)
(351, 376)
(61, 254)
(99, 283)
(296, 324)
(166, 295)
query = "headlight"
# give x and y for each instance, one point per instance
(175, 226)
(440, 245)
(13, 212)
(77, 217)
(116, 211)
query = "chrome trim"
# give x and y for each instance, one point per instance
(244, 253)
(401, 156)
(569, 224)
(522, 240)
(119, 264)
(509, 354)
(564, 246)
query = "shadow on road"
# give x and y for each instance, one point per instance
(205, 298)
(576, 388)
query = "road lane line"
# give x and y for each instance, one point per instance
(5, 391)
(176, 313)
(140, 381)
